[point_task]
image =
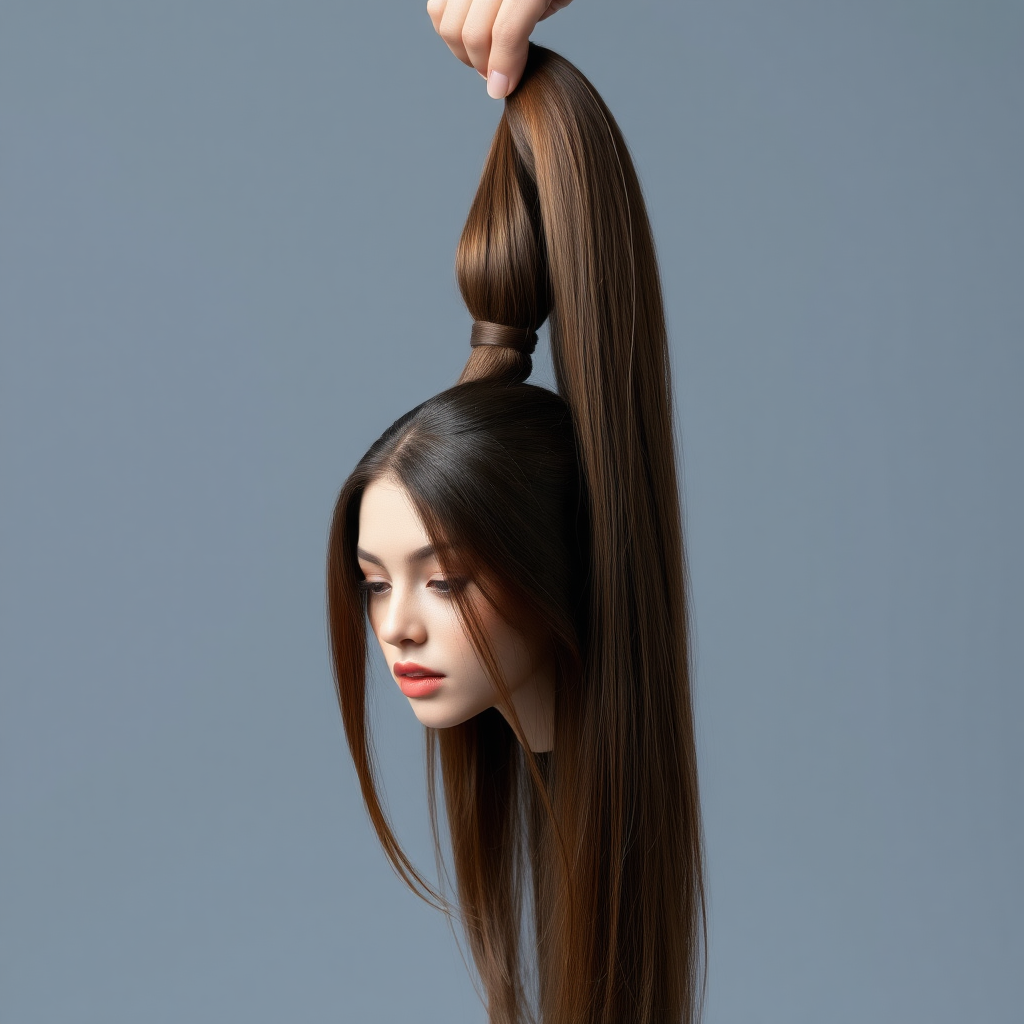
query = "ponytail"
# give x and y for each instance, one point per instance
(558, 229)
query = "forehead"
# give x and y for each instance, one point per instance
(388, 523)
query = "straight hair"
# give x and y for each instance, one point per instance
(565, 508)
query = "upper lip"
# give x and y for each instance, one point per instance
(410, 668)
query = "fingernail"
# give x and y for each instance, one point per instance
(497, 85)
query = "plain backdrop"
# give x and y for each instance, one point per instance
(227, 234)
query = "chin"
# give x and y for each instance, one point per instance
(441, 717)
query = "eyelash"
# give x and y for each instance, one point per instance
(444, 590)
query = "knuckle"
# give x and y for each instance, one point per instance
(504, 36)
(475, 38)
(449, 32)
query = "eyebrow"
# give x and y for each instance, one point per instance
(417, 556)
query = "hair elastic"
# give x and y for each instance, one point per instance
(522, 339)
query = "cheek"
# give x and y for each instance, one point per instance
(509, 647)
(452, 635)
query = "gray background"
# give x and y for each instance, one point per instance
(226, 243)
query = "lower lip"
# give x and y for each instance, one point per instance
(420, 686)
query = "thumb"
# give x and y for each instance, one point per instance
(510, 44)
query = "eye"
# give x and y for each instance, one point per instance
(446, 587)
(375, 587)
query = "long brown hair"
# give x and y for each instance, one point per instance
(565, 509)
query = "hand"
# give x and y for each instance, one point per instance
(491, 35)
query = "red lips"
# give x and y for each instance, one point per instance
(410, 668)
(417, 681)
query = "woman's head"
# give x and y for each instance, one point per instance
(460, 537)
(410, 605)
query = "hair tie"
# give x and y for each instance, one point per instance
(522, 339)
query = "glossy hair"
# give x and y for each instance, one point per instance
(564, 508)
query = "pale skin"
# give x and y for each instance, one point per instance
(415, 620)
(491, 35)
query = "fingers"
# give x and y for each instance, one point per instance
(554, 7)
(476, 32)
(492, 36)
(450, 17)
(510, 42)
(435, 9)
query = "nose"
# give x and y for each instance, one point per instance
(402, 620)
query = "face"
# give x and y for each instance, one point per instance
(416, 621)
